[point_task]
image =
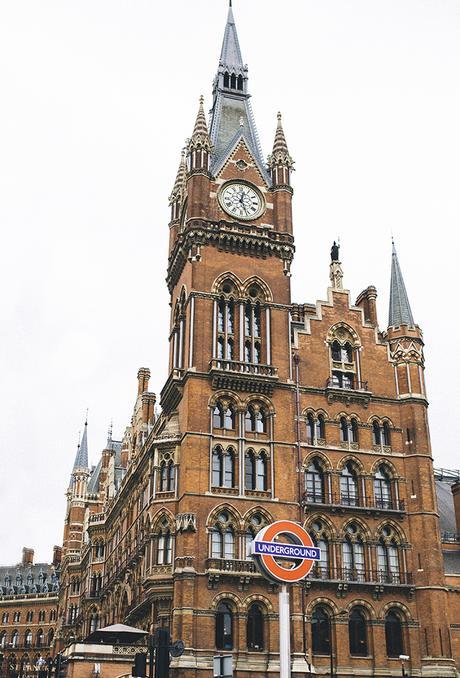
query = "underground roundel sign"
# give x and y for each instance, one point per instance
(284, 551)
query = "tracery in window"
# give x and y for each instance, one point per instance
(224, 626)
(223, 415)
(320, 535)
(253, 525)
(382, 488)
(343, 354)
(388, 564)
(255, 419)
(315, 482)
(353, 554)
(223, 467)
(223, 537)
(349, 485)
(164, 543)
(253, 328)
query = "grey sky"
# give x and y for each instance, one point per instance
(98, 97)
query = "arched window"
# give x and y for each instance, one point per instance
(229, 468)
(394, 634)
(226, 79)
(343, 361)
(252, 332)
(223, 467)
(320, 537)
(15, 639)
(388, 557)
(357, 632)
(163, 476)
(310, 429)
(261, 472)
(353, 555)
(229, 418)
(252, 528)
(343, 430)
(255, 471)
(255, 628)
(320, 428)
(233, 81)
(2, 639)
(218, 416)
(376, 438)
(28, 638)
(386, 434)
(223, 538)
(382, 489)
(164, 547)
(93, 622)
(353, 431)
(314, 483)
(50, 636)
(250, 470)
(240, 83)
(348, 486)
(40, 637)
(260, 420)
(225, 329)
(320, 631)
(224, 627)
(171, 476)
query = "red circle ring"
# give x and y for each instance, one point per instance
(269, 564)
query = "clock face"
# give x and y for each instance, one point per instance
(241, 200)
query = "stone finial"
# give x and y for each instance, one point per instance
(280, 154)
(200, 137)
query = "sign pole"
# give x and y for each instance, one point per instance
(285, 632)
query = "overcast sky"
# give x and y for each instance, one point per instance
(97, 98)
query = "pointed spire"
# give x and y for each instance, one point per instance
(200, 141)
(400, 311)
(81, 458)
(179, 185)
(280, 155)
(230, 54)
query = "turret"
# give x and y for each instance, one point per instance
(177, 199)
(404, 337)
(280, 165)
(198, 155)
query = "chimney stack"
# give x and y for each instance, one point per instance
(143, 377)
(367, 301)
(27, 556)
(57, 555)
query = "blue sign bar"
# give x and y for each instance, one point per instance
(281, 550)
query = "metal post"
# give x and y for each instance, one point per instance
(151, 644)
(285, 633)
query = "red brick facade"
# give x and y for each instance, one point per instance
(271, 410)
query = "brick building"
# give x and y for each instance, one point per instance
(28, 611)
(272, 409)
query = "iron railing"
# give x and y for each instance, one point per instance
(353, 501)
(238, 367)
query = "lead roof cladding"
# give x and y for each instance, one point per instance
(231, 114)
(400, 311)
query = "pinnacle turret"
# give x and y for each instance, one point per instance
(178, 190)
(280, 162)
(400, 311)
(199, 145)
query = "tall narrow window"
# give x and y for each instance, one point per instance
(171, 476)
(386, 434)
(229, 468)
(320, 428)
(343, 362)
(320, 631)
(217, 467)
(218, 416)
(224, 627)
(314, 483)
(382, 489)
(252, 333)
(261, 472)
(376, 437)
(357, 632)
(353, 431)
(229, 418)
(388, 557)
(310, 429)
(255, 628)
(343, 430)
(394, 634)
(250, 470)
(225, 329)
(353, 555)
(348, 486)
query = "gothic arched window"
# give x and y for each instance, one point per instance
(233, 81)
(28, 638)
(225, 329)
(376, 437)
(348, 486)
(343, 430)
(40, 637)
(343, 359)
(224, 627)
(353, 555)
(320, 428)
(15, 639)
(388, 557)
(240, 83)
(394, 634)
(353, 431)
(226, 79)
(357, 632)
(223, 538)
(218, 416)
(252, 331)
(321, 539)
(320, 631)
(229, 418)
(164, 547)
(382, 489)
(255, 628)
(314, 483)
(386, 434)
(310, 429)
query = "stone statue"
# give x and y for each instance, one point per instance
(335, 252)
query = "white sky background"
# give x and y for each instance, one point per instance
(97, 98)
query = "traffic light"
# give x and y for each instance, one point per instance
(140, 665)
(162, 653)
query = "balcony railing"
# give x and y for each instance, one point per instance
(450, 537)
(352, 501)
(348, 385)
(246, 369)
(97, 518)
(233, 566)
(361, 576)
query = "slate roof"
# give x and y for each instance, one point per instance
(231, 115)
(28, 579)
(400, 311)
(81, 458)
